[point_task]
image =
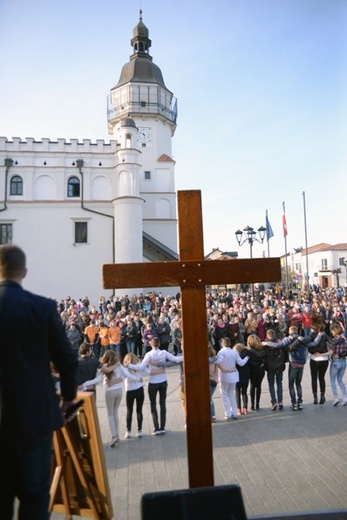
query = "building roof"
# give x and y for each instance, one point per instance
(140, 68)
(217, 254)
(165, 158)
(161, 248)
(324, 247)
(127, 121)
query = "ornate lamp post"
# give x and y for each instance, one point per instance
(250, 236)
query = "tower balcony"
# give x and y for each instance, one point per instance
(131, 108)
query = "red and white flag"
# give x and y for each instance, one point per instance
(284, 222)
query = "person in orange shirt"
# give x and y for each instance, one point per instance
(91, 335)
(103, 337)
(114, 333)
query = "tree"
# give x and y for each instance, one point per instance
(336, 273)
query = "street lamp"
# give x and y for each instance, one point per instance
(250, 236)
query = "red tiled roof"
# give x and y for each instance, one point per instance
(325, 247)
(165, 158)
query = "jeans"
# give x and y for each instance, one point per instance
(272, 379)
(295, 377)
(96, 350)
(115, 348)
(337, 370)
(137, 395)
(131, 346)
(153, 390)
(212, 391)
(25, 473)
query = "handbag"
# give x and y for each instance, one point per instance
(213, 383)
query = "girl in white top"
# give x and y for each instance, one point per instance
(157, 382)
(135, 393)
(228, 378)
(114, 375)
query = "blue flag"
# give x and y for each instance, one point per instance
(269, 232)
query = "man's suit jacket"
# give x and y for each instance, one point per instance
(31, 336)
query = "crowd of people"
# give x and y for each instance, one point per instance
(250, 336)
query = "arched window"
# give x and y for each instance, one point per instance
(73, 187)
(16, 185)
(128, 141)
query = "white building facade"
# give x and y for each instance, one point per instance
(326, 265)
(74, 206)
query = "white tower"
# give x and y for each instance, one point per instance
(141, 95)
(127, 203)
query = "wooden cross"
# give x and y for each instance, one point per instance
(192, 273)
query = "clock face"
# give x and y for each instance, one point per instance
(144, 135)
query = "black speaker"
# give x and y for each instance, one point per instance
(208, 503)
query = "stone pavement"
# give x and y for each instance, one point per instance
(284, 461)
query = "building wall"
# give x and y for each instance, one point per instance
(43, 218)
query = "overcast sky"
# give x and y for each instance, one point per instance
(261, 88)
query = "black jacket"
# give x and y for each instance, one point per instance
(275, 358)
(32, 335)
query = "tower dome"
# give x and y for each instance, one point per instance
(141, 91)
(127, 121)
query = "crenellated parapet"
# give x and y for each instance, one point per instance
(29, 144)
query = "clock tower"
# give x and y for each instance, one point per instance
(142, 96)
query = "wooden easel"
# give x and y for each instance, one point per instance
(79, 480)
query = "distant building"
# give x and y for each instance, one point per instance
(217, 254)
(73, 206)
(327, 265)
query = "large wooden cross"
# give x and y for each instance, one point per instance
(192, 273)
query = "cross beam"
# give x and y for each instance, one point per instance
(192, 273)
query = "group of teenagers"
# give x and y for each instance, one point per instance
(246, 341)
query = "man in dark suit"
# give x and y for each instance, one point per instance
(31, 337)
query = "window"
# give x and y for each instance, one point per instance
(73, 187)
(81, 232)
(5, 233)
(324, 264)
(147, 176)
(342, 261)
(16, 185)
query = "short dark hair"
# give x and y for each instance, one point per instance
(12, 261)
(84, 349)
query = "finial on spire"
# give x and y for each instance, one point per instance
(140, 15)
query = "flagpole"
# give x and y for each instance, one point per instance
(268, 240)
(306, 247)
(285, 244)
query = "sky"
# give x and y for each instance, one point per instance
(262, 100)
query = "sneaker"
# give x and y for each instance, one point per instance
(336, 402)
(344, 401)
(127, 435)
(139, 433)
(233, 417)
(213, 418)
(280, 406)
(274, 407)
(157, 431)
(114, 441)
(300, 406)
(294, 407)
(162, 431)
